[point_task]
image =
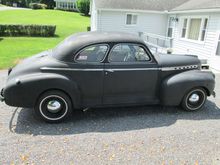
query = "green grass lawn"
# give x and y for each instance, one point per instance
(12, 49)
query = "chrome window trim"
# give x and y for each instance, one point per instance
(136, 62)
(108, 48)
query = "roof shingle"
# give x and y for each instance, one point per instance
(201, 4)
(157, 5)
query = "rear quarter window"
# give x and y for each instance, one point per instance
(91, 54)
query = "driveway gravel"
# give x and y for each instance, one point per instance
(3, 8)
(136, 135)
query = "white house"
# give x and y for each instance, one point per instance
(66, 4)
(194, 26)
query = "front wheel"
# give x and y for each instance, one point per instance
(194, 100)
(53, 106)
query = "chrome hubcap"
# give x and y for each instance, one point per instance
(194, 98)
(54, 106)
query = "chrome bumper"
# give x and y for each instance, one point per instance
(2, 95)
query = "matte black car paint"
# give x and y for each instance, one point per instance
(162, 80)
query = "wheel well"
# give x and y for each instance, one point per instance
(55, 89)
(206, 90)
(202, 87)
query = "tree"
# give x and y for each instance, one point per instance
(83, 6)
(20, 3)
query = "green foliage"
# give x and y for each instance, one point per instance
(50, 3)
(83, 6)
(13, 49)
(27, 30)
(38, 6)
(20, 3)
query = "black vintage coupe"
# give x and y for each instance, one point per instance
(100, 69)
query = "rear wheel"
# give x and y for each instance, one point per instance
(194, 100)
(53, 106)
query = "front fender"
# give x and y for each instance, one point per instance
(175, 87)
(24, 91)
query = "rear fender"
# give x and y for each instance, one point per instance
(30, 87)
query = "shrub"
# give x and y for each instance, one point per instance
(27, 30)
(50, 3)
(83, 6)
(37, 6)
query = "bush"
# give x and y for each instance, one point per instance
(50, 3)
(37, 6)
(27, 30)
(83, 6)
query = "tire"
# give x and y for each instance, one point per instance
(53, 107)
(194, 100)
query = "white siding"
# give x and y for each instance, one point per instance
(203, 49)
(155, 23)
(94, 16)
(147, 22)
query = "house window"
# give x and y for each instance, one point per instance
(184, 28)
(204, 29)
(194, 28)
(131, 19)
(170, 27)
(218, 47)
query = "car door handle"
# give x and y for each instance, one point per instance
(110, 70)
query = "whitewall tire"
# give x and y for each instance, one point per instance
(53, 106)
(194, 100)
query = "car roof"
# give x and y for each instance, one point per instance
(89, 37)
(72, 44)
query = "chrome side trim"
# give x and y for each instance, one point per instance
(116, 69)
(125, 69)
(134, 69)
(180, 68)
(70, 69)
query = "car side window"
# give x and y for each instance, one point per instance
(128, 53)
(94, 53)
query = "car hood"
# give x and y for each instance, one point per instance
(172, 60)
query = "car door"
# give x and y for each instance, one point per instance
(88, 73)
(131, 75)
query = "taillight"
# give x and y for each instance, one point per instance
(9, 70)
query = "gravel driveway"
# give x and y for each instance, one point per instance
(3, 8)
(138, 135)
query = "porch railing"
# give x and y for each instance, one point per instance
(157, 42)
